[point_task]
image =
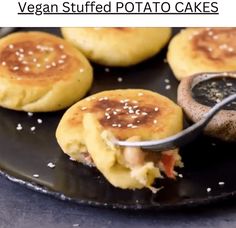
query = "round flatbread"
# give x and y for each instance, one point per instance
(40, 72)
(118, 46)
(196, 50)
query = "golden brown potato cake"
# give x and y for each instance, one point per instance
(196, 50)
(40, 72)
(118, 46)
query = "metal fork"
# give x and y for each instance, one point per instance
(182, 138)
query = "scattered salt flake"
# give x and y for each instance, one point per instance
(36, 175)
(33, 128)
(19, 127)
(221, 183)
(208, 189)
(39, 121)
(75, 225)
(51, 165)
(168, 87)
(167, 80)
(119, 79)
(107, 69)
(30, 113)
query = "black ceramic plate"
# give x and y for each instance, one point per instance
(25, 153)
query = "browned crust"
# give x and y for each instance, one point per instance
(34, 57)
(222, 126)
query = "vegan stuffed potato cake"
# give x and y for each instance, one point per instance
(196, 50)
(118, 46)
(40, 72)
(86, 129)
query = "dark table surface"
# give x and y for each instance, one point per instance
(24, 208)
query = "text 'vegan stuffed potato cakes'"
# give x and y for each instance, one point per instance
(118, 46)
(86, 129)
(41, 72)
(196, 50)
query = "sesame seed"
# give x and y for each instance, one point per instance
(21, 50)
(26, 68)
(51, 165)
(11, 46)
(72, 159)
(156, 109)
(154, 121)
(168, 87)
(53, 64)
(36, 175)
(61, 46)
(48, 66)
(119, 79)
(114, 125)
(167, 80)
(81, 70)
(130, 125)
(208, 189)
(74, 225)
(15, 68)
(19, 127)
(34, 60)
(38, 65)
(103, 98)
(83, 108)
(60, 61)
(144, 113)
(140, 94)
(63, 56)
(39, 121)
(4, 63)
(30, 114)
(33, 128)
(221, 183)
(24, 62)
(30, 53)
(180, 175)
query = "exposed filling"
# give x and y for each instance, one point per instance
(126, 167)
(217, 44)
